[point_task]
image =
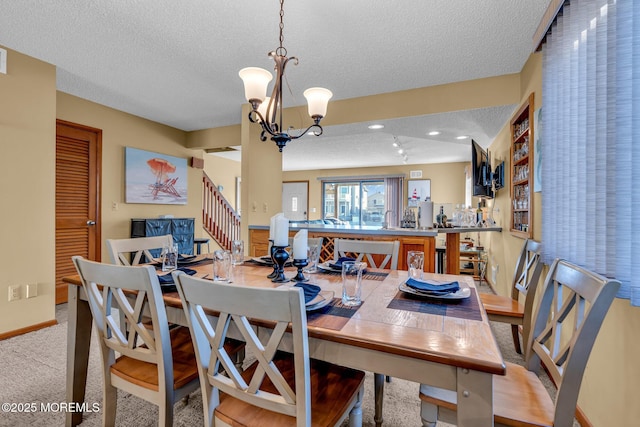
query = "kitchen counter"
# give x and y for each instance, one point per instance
(411, 239)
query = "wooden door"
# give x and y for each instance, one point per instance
(78, 159)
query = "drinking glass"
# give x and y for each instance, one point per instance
(169, 257)
(415, 261)
(221, 266)
(237, 252)
(352, 282)
(313, 253)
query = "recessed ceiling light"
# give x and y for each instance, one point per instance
(462, 137)
(376, 126)
(434, 133)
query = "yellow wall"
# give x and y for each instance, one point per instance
(27, 188)
(447, 181)
(120, 130)
(223, 172)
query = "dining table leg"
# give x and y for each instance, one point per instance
(378, 387)
(80, 322)
(475, 398)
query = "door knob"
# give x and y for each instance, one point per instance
(91, 222)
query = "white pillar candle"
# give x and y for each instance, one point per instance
(281, 233)
(300, 245)
(272, 226)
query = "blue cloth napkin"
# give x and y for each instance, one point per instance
(433, 288)
(310, 291)
(338, 263)
(166, 279)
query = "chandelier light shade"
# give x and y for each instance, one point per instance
(267, 111)
(255, 81)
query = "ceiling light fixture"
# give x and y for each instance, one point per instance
(396, 144)
(375, 126)
(462, 137)
(433, 133)
(256, 81)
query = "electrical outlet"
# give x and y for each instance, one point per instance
(265, 207)
(494, 274)
(32, 290)
(14, 292)
(114, 206)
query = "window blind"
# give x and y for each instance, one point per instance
(590, 135)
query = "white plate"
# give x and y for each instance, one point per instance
(259, 260)
(462, 293)
(326, 267)
(321, 300)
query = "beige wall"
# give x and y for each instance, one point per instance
(120, 130)
(27, 186)
(447, 181)
(223, 172)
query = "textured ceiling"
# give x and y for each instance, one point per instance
(177, 62)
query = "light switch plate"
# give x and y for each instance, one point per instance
(3, 61)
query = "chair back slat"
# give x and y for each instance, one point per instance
(131, 251)
(236, 305)
(112, 287)
(567, 321)
(367, 248)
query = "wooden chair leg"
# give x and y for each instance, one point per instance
(110, 402)
(428, 414)
(516, 338)
(355, 415)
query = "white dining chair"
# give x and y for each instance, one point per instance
(366, 250)
(566, 323)
(157, 364)
(131, 251)
(279, 388)
(518, 308)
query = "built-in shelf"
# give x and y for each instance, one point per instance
(522, 170)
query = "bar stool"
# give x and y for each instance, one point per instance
(199, 241)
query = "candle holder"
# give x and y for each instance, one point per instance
(300, 264)
(274, 273)
(280, 257)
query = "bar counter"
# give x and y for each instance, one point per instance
(410, 239)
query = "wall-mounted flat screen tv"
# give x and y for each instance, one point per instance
(481, 171)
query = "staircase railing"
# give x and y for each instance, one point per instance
(219, 218)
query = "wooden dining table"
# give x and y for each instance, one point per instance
(443, 343)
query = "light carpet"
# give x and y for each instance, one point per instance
(34, 367)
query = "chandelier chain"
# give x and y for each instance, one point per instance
(281, 48)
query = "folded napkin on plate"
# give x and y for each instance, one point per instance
(166, 279)
(310, 291)
(338, 263)
(433, 287)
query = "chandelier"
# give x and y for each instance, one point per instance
(267, 111)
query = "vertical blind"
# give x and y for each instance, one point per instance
(393, 201)
(590, 135)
